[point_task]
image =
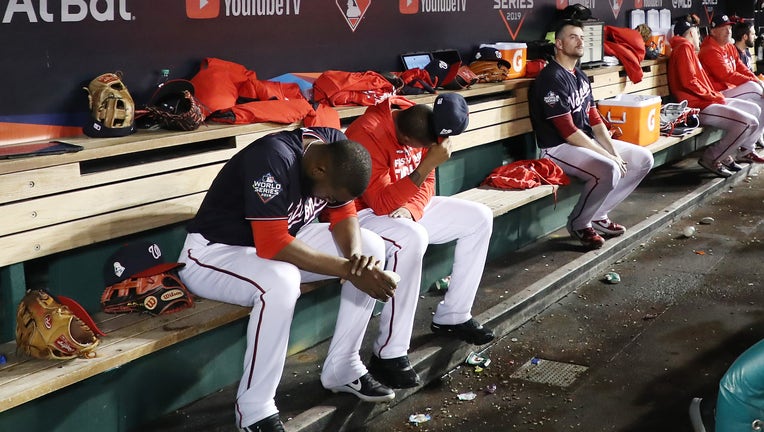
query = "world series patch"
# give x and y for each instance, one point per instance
(267, 187)
(551, 98)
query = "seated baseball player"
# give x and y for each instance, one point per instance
(730, 77)
(570, 132)
(689, 81)
(407, 142)
(253, 241)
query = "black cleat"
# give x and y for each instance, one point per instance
(470, 331)
(367, 389)
(268, 424)
(395, 372)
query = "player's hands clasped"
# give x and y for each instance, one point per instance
(368, 276)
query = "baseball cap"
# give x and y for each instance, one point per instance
(441, 73)
(720, 21)
(170, 95)
(685, 23)
(490, 53)
(450, 114)
(134, 260)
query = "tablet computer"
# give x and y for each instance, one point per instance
(416, 60)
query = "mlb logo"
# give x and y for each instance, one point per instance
(408, 7)
(202, 9)
(353, 11)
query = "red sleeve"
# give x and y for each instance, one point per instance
(385, 192)
(564, 125)
(270, 237)
(594, 116)
(335, 215)
(689, 78)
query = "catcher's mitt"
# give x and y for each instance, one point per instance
(489, 71)
(162, 293)
(174, 106)
(111, 107)
(48, 329)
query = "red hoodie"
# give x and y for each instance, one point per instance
(723, 64)
(390, 188)
(687, 79)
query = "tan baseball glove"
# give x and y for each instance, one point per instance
(48, 329)
(162, 293)
(489, 71)
(111, 106)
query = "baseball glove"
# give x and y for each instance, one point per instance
(110, 103)
(488, 71)
(181, 112)
(162, 293)
(48, 329)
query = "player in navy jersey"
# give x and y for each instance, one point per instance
(571, 133)
(254, 241)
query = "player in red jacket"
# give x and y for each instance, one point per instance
(728, 74)
(689, 81)
(406, 145)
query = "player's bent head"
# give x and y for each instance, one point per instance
(350, 166)
(559, 27)
(414, 126)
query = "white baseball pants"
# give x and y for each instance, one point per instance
(235, 274)
(445, 219)
(739, 119)
(604, 186)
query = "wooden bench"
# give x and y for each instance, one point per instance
(118, 187)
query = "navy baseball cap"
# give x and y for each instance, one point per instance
(720, 21)
(134, 260)
(685, 23)
(491, 54)
(450, 114)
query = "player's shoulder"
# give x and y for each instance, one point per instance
(327, 134)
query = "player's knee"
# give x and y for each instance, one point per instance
(372, 244)
(281, 277)
(412, 238)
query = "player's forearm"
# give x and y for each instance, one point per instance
(347, 235)
(314, 261)
(580, 139)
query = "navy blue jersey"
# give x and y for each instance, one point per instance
(260, 182)
(556, 92)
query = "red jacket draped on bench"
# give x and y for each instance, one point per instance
(230, 93)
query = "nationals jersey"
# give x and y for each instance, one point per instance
(262, 182)
(556, 92)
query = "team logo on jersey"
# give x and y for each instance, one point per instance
(353, 11)
(551, 98)
(267, 187)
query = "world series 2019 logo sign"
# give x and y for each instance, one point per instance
(513, 13)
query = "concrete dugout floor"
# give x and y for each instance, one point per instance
(686, 307)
